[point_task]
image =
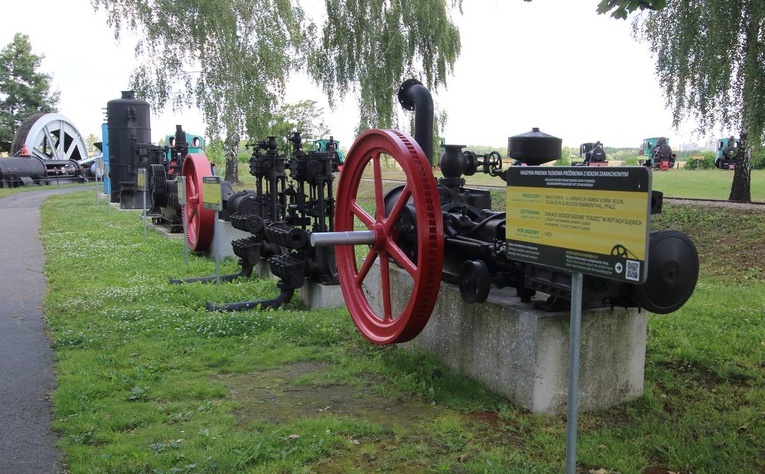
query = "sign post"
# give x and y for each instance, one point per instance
(211, 199)
(182, 200)
(141, 183)
(584, 220)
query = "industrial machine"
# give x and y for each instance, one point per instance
(658, 153)
(725, 153)
(592, 154)
(46, 149)
(436, 230)
(293, 197)
(130, 150)
(425, 229)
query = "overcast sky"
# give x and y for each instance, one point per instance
(552, 64)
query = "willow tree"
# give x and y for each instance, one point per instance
(232, 58)
(229, 58)
(710, 61)
(370, 46)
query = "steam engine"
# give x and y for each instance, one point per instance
(659, 154)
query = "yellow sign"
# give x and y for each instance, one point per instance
(141, 179)
(590, 220)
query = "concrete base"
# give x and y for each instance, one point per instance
(316, 295)
(223, 234)
(522, 353)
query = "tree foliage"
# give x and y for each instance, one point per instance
(622, 8)
(232, 58)
(711, 65)
(306, 117)
(370, 46)
(23, 90)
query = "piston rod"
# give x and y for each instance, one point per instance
(359, 237)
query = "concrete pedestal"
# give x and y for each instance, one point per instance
(223, 234)
(316, 295)
(522, 353)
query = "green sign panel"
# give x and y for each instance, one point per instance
(211, 198)
(592, 220)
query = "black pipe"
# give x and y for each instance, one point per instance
(246, 271)
(412, 95)
(282, 298)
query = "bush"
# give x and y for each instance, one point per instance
(706, 163)
(630, 161)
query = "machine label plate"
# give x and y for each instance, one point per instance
(593, 220)
(141, 179)
(211, 193)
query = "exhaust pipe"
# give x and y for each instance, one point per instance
(412, 95)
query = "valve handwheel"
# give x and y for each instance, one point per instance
(200, 222)
(379, 321)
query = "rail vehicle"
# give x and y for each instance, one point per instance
(430, 230)
(725, 153)
(321, 145)
(658, 153)
(593, 155)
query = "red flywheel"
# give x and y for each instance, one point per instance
(200, 222)
(407, 228)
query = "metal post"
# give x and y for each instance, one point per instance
(217, 255)
(143, 213)
(182, 199)
(573, 370)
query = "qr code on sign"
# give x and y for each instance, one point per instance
(633, 270)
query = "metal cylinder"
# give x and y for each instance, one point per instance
(129, 122)
(325, 239)
(14, 171)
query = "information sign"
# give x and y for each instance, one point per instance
(141, 179)
(181, 190)
(211, 198)
(593, 220)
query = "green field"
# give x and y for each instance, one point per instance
(148, 381)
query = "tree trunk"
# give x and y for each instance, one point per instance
(742, 178)
(231, 151)
(232, 170)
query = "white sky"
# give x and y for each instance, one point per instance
(556, 65)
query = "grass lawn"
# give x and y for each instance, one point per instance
(148, 381)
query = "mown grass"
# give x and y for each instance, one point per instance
(148, 381)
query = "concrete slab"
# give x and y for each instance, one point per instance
(522, 353)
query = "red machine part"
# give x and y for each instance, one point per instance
(379, 321)
(200, 222)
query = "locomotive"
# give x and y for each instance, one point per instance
(658, 152)
(593, 154)
(725, 153)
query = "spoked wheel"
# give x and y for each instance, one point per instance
(381, 317)
(50, 136)
(200, 222)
